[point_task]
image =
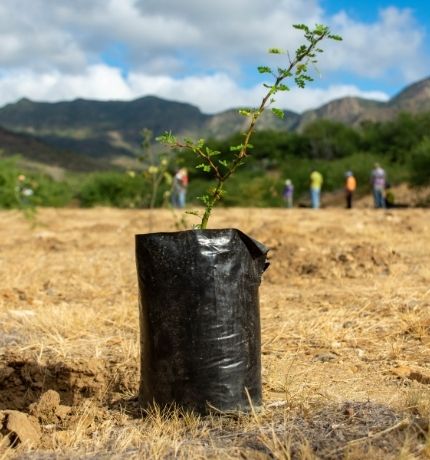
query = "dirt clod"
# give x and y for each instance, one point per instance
(412, 374)
(19, 428)
(48, 409)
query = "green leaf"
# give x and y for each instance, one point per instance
(301, 52)
(320, 29)
(301, 68)
(205, 199)
(211, 153)
(223, 162)
(235, 148)
(278, 113)
(284, 73)
(245, 112)
(166, 138)
(275, 51)
(300, 82)
(204, 167)
(264, 69)
(301, 27)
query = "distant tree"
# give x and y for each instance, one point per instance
(420, 163)
(395, 139)
(329, 139)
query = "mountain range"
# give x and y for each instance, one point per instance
(86, 134)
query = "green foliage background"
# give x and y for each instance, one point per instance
(401, 146)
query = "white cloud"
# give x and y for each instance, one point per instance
(33, 37)
(300, 100)
(214, 36)
(193, 51)
(392, 46)
(95, 82)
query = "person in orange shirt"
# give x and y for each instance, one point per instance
(350, 186)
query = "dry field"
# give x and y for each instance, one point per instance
(345, 311)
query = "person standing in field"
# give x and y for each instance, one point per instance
(378, 180)
(316, 181)
(350, 186)
(179, 188)
(288, 193)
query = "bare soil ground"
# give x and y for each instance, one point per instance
(345, 311)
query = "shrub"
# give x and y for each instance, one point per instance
(46, 191)
(420, 163)
(8, 176)
(113, 189)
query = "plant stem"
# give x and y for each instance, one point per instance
(216, 196)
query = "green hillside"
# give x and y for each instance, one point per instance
(35, 150)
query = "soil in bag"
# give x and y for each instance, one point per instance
(199, 318)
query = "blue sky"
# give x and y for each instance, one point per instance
(368, 12)
(205, 53)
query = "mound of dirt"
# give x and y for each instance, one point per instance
(332, 261)
(41, 404)
(22, 382)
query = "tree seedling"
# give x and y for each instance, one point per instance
(223, 167)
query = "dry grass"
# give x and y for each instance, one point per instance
(345, 312)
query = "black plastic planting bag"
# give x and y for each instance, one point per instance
(199, 318)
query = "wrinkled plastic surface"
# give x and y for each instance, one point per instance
(199, 318)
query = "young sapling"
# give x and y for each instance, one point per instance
(221, 169)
